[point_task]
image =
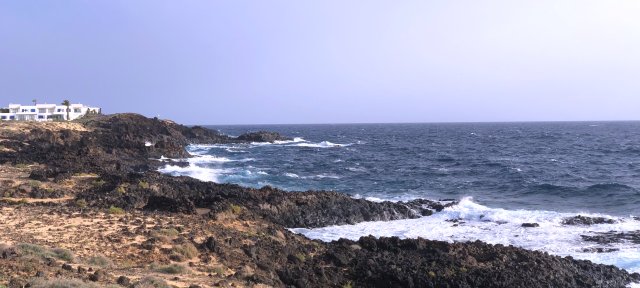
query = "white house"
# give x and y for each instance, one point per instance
(45, 112)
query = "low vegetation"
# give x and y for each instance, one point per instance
(170, 269)
(98, 183)
(116, 210)
(168, 232)
(187, 250)
(151, 282)
(43, 252)
(236, 209)
(143, 185)
(81, 203)
(35, 183)
(60, 283)
(100, 261)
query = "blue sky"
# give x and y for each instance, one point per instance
(256, 62)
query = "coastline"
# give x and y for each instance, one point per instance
(99, 170)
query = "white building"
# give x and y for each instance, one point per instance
(45, 112)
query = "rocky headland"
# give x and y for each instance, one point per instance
(81, 205)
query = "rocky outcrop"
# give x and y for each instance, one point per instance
(116, 144)
(262, 136)
(613, 237)
(584, 220)
(155, 191)
(392, 262)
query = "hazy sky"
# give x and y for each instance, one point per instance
(232, 62)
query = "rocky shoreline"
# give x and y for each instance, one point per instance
(103, 169)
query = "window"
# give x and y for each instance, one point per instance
(33, 110)
(40, 117)
(59, 110)
(12, 117)
(76, 110)
(3, 117)
(24, 110)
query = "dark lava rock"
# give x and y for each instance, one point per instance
(583, 220)
(599, 250)
(211, 245)
(392, 262)
(18, 283)
(262, 136)
(39, 175)
(9, 252)
(170, 204)
(290, 209)
(124, 281)
(67, 267)
(530, 225)
(613, 237)
(40, 274)
(98, 275)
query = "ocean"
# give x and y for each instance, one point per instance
(503, 174)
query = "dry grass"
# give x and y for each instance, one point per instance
(170, 269)
(44, 252)
(61, 283)
(187, 250)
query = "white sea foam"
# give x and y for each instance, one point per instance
(194, 171)
(208, 159)
(291, 175)
(322, 176)
(202, 149)
(295, 140)
(500, 226)
(148, 144)
(323, 144)
(356, 169)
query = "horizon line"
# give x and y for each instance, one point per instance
(433, 122)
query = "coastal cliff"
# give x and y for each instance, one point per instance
(82, 202)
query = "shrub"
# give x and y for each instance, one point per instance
(236, 209)
(100, 261)
(300, 257)
(43, 252)
(60, 283)
(151, 282)
(63, 254)
(98, 183)
(116, 210)
(81, 203)
(143, 185)
(169, 232)
(349, 284)
(219, 270)
(170, 269)
(187, 250)
(121, 189)
(35, 183)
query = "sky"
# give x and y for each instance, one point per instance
(329, 61)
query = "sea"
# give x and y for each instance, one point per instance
(501, 174)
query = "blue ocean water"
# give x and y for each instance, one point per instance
(572, 167)
(504, 174)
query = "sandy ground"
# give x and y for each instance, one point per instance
(21, 126)
(119, 238)
(133, 242)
